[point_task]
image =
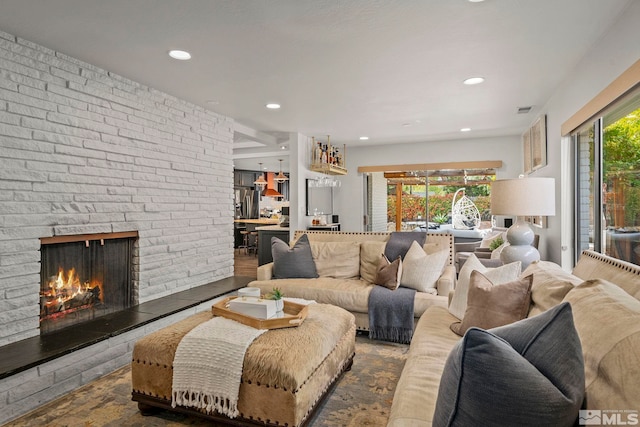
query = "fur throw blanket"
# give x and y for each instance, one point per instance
(207, 367)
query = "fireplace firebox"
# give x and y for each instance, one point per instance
(84, 277)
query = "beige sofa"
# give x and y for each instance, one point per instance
(346, 281)
(606, 316)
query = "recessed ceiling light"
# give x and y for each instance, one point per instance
(283, 147)
(473, 80)
(465, 129)
(406, 125)
(272, 106)
(364, 138)
(213, 102)
(181, 55)
(475, 1)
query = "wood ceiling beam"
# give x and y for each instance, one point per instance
(483, 164)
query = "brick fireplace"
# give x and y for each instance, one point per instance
(84, 151)
(85, 276)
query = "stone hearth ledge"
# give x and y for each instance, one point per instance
(39, 369)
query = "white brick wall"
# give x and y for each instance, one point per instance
(378, 202)
(83, 150)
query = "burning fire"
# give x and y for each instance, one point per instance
(65, 293)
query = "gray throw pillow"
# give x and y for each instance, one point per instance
(296, 262)
(528, 373)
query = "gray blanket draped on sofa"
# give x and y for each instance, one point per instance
(391, 314)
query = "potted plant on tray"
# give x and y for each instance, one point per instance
(276, 295)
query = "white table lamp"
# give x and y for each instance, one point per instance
(522, 197)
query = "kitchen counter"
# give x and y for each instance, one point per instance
(264, 221)
(272, 228)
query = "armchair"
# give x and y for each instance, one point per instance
(485, 255)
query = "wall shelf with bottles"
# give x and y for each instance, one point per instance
(327, 158)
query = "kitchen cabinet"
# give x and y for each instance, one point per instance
(264, 241)
(244, 178)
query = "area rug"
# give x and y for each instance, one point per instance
(362, 397)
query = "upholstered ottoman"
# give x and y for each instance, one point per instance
(286, 372)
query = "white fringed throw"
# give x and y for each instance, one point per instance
(207, 367)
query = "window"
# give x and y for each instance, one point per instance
(424, 199)
(608, 177)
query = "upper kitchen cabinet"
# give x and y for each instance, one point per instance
(244, 178)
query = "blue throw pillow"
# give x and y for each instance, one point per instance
(528, 373)
(296, 262)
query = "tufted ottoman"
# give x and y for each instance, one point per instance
(286, 372)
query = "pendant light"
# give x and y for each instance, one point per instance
(260, 182)
(280, 177)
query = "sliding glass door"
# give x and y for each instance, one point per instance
(608, 177)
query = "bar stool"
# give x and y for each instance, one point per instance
(255, 242)
(245, 241)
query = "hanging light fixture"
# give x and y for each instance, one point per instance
(280, 177)
(260, 182)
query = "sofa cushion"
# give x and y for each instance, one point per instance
(421, 271)
(489, 306)
(389, 273)
(487, 380)
(608, 323)
(370, 252)
(550, 285)
(292, 262)
(350, 294)
(340, 260)
(498, 275)
(415, 397)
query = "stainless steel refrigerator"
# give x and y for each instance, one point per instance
(247, 203)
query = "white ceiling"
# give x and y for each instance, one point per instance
(388, 69)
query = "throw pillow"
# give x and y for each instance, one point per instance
(389, 273)
(400, 241)
(489, 306)
(495, 254)
(512, 375)
(493, 236)
(608, 322)
(550, 285)
(369, 256)
(421, 271)
(340, 260)
(296, 262)
(506, 273)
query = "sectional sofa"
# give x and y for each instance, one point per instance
(603, 293)
(346, 263)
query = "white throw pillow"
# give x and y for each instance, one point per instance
(494, 235)
(495, 254)
(497, 276)
(421, 271)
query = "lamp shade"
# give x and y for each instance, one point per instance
(535, 196)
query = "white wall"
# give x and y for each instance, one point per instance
(609, 57)
(605, 61)
(349, 198)
(85, 151)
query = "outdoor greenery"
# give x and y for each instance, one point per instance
(413, 206)
(621, 170)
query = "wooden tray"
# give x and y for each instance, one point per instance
(294, 315)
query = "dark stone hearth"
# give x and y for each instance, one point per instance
(25, 354)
